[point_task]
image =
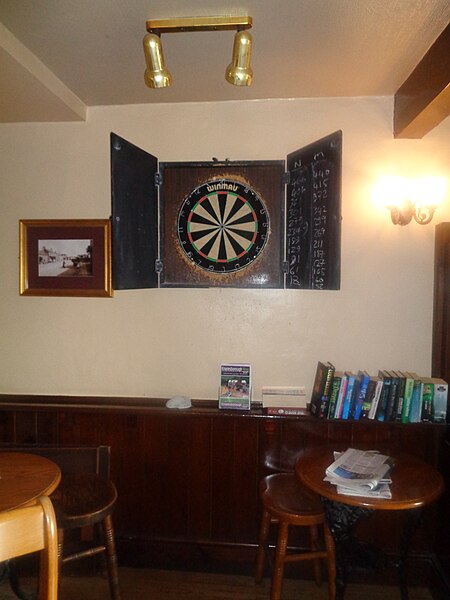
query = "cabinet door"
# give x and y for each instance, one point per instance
(441, 312)
(134, 216)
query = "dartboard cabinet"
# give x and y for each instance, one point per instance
(249, 224)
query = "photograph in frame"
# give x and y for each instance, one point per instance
(65, 257)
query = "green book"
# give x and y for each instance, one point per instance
(409, 387)
(427, 399)
(335, 387)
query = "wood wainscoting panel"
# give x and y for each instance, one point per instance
(188, 480)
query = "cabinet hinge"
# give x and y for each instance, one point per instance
(286, 178)
(158, 265)
(158, 178)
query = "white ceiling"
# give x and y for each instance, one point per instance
(58, 57)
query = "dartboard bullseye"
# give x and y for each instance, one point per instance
(223, 226)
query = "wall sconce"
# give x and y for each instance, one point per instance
(238, 71)
(410, 198)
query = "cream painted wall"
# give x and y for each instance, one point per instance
(171, 341)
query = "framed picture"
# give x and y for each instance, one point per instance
(65, 257)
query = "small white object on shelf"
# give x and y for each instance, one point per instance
(179, 402)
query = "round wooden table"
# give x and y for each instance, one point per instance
(25, 477)
(415, 484)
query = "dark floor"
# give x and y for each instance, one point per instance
(137, 584)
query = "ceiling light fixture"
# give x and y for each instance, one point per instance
(238, 71)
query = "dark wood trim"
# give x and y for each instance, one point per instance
(423, 101)
(110, 403)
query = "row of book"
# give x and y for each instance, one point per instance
(388, 396)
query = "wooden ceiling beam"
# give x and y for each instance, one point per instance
(423, 101)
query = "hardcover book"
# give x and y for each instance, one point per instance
(369, 397)
(376, 398)
(391, 407)
(439, 411)
(363, 383)
(335, 387)
(409, 387)
(341, 396)
(349, 395)
(427, 399)
(400, 396)
(287, 411)
(321, 389)
(283, 397)
(415, 412)
(385, 392)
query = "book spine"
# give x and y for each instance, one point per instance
(321, 389)
(409, 387)
(326, 392)
(361, 395)
(382, 405)
(376, 399)
(340, 400)
(400, 396)
(287, 411)
(367, 403)
(416, 402)
(348, 397)
(439, 412)
(427, 400)
(390, 412)
(335, 387)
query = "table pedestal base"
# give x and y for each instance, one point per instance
(352, 553)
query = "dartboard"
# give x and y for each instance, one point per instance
(223, 226)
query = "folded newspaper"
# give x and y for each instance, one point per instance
(361, 473)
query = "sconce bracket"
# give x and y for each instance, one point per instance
(217, 23)
(401, 215)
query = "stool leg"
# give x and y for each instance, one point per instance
(278, 568)
(331, 562)
(314, 542)
(60, 550)
(111, 557)
(261, 553)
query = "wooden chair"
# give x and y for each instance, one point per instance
(32, 529)
(286, 503)
(85, 498)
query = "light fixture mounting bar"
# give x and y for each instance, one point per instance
(216, 23)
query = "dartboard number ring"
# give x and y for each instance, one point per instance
(223, 226)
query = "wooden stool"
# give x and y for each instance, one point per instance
(81, 500)
(287, 503)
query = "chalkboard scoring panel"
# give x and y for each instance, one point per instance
(313, 215)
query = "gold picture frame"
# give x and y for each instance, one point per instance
(70, 257)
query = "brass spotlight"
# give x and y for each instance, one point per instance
(238, 72)
(156, 75)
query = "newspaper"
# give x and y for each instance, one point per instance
(359, 470)
(381, 491)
